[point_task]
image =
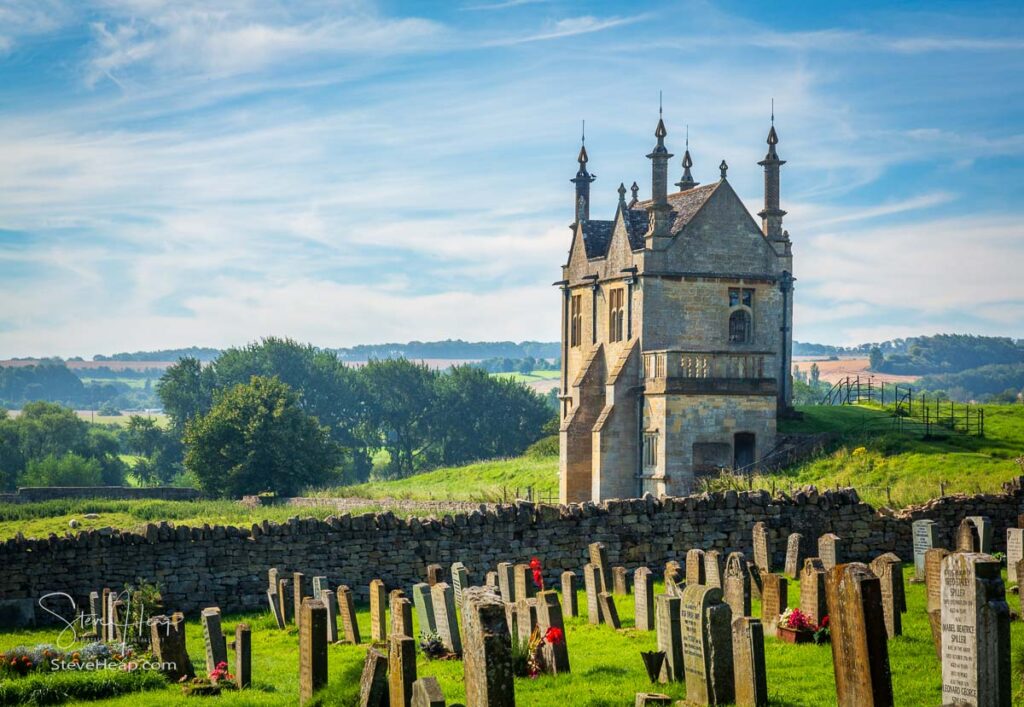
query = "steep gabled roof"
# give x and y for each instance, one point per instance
(596, 237)
(636, 227)
(685, 205)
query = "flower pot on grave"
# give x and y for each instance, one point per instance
(793, 635)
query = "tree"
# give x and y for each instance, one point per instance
(66, 470)
(186, 391)
(815, 374)
(402, 409)
(876, 360)
(257, 438)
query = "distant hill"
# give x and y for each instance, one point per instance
(952, 353)
(453, 349)
(201, 353)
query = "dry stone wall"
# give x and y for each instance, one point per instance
(227, 566)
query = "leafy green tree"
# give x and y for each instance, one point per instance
(66, 470)
(876, 360)
(48, 428)
(815, 375)
(257, 438)
(186, 390)
(402, 409)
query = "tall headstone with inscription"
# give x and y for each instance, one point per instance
(620, 581)
(549, 616)
(975, 632)
(460, 579)
(670, 637)
(378, 611)
(507, 581)
(794, 557)
(706, 624)
(570, 602)
(213, 637)
(860, 651)
(830, 550)
(347, 612)
(762, 547)
(487, 658)
(609, 611)
(525, 588)
(423, 601)
(445, 617)
(890, 576)
(984, 526)
(592, 587)
(695, 569)
(1014, 553)
(713, 568)
(926, 536)
(299, 592)
(774, 600)
(933, 589)
(643, 590)
(813, 601)
(751, 681)
(312, 648)
(373, 683)
(401, 669)
(330, 601)
(599, 558)
(737, 585)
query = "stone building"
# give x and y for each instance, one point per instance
(676, 333)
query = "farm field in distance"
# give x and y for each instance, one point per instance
(836, 370)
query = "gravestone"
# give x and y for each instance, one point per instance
(1014, 553)
(670, 637)
(401, 614)
(643, 590)
(860, 653)
(347, 611)
(762, 548)
(549, 615)
(525, 587)
(599, 558)
(794, 558)
(95, 613)
(695, 569)
(373, 684)
(331, 602)
(507, 581)
(975, 632)
(620, 581)
(651, 699)
(755, 580)
(106, 599)
(706, 623)
(445, 617)
(737, 585)
(312, 648)
(299, 592)
(243, 656)
(713, 568)
(272, 576)
(570, 602)
(426, 692)
(830, 550)
(774, 601)
(609, 612)
(926, 536)
(933, 590)
(899, 588)
(213, 637)
(167, 641)
(890, 574)
(435, 574)
(813, 601)
(460, 580)
(491, 579)
(592, 587)
(487, 657)
(285, 600)
(967, 538)
(319, 584)
(424, 603)
(984, 527)
(378, 611)
(525, 618)
(751, 681)
(275, 607)
(673, 577)
(401, 670)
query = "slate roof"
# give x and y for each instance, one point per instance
(636, 227)
(685, 204)
(596, 237)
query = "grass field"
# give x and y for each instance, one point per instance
(606, 666)
(531, 377)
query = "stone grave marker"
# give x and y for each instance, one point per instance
(570, 601)
(373, 684)
(1014, 553)
(106, 599)
(774, 601)
(167, 641)
(525, 588)
(609, 612)
(426, 692)
(813, 601)
(755, 580)
(673, 576)
(549, 615)
(487, 658)
(762, 547)
(975, 632)
(695, 570)
(378, 611)
(592, 585)
(213, 637)
(926, 536)
(435, 574)
(651, 699)
(117, 614)
(751, 681)
(507, 581)
(460, 579)
(275, 607)
(401, 615)
(525, 618)
(899, 588)
(713, 568)
(860, 653)
(491, 579)
(984, 527)
(347, 611)
(599, 558)
(312, 648)
(794, 558)
(299, 592)
(967, 539)
(830, 550)
(620, 581)
(512, 620)
(737, 584)
(643, 589)
(933, 589)
(272, 576)
(706, 623)
(445, 617)
(670, 637)
(401, 670)
(284, 600)
(889, 574)
(95, 613)
(331, 602)
(319, 584)
(424, 603)
(243, 656)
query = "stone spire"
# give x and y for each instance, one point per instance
(635, 191)
(771, 215)
(659, 210)
(622, 196)
(582, 180)
(687, 181)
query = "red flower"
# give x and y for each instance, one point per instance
(824, 621)
(554, 636)
(534, 564)
(538, 579)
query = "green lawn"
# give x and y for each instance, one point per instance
(531, 377)
(606, 665)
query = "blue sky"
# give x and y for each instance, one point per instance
(187, 172)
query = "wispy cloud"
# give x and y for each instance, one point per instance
(568, 27)
(504, 5)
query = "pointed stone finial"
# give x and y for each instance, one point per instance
(723, 168)
(687, 182)
(622, 193)
(635, 190)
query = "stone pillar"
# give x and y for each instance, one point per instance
(643, 590)
(695, 570)
(445, 617)
(401, 670)
(737, 585)
(707, 646)
(549, 615)
(926, 536)
(243, 656)
(312, 648)
(216, 645)
(373, 684)
(762, 547)
(378, 611)
(487, 658)
(570, 601)
(347, 611)
(813, 601)
(774, 601)
(751, 682)
(670, 640)
(794, 557)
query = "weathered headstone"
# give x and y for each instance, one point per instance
(549, 616)
(984, 527)
(651, 699)
(926, 536)
(609, 612)
(774, 600)
(592, 585)
(794, 557)
(331, 602)
(460, 580)
(967, 538)
(525, 588)
(599, 558)
(426, 692)
(507, 581)
(737, 585)
(319, 584)
(373, 684)
(755, 580)
(670, 637)
(275, 607)
(272, 576)
(673, 577)
(713, 568)
(106, 600)
(860, 653)
(1014, 553)
(830, 550)
(312, 648)
(299, 592)
(706, 623)
(975, 632)
(401, 669)
(284, 599)
(620, 581)
(95, 613)
(933, 589)
(378, 611)
(525, 618)
(347, 612)
(435, 574)
(570, 601)
(751, 681)
(167, 641)
(762, 547)
(424, 604)
(491, 579)
(695, 570)
(445, 617)
(401, 613)
(487, 658)
(890, 575)
(813, 600)
(243, 656)
(643, 591)
(213, 637)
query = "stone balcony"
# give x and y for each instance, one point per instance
(702, 372)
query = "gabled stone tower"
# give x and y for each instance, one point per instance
(676, 333)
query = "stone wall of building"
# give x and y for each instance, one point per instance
(227, 566)
(31, 494)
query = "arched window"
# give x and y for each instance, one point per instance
(739, 327)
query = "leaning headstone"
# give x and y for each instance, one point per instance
(620, 581)
(984, 526)
(460, 580)
(287, 607)
(525, 588)
(319, 584)
(755, 580)
(813, 601)
(762, 547)
(331, 602)
(426, 692)
(609, 612)
(373, 684)
(860, 653)
(312, 648)
(435, 574)
(695, 570)
(378, 611)
(774, 601)
(347, 611)
(713, 568)
(1014, 553)
(424, 603)
(487, 657)
(933, 590)
(401, 670)
(167, 641)
(599, 558)
(445, 617)
(794, 558)
(670, 640)
(975, 632)
(507, 581)
(643, 591)
(830, 550)
(926, 536)
(243, 656)
(213, 637)
(549, 616)
(570, 602)
(751, 681)
(737, 585)
(674, 577)
(592, 585)
(299, 592)
(275, 607)
(706, 623)
(889, 573)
